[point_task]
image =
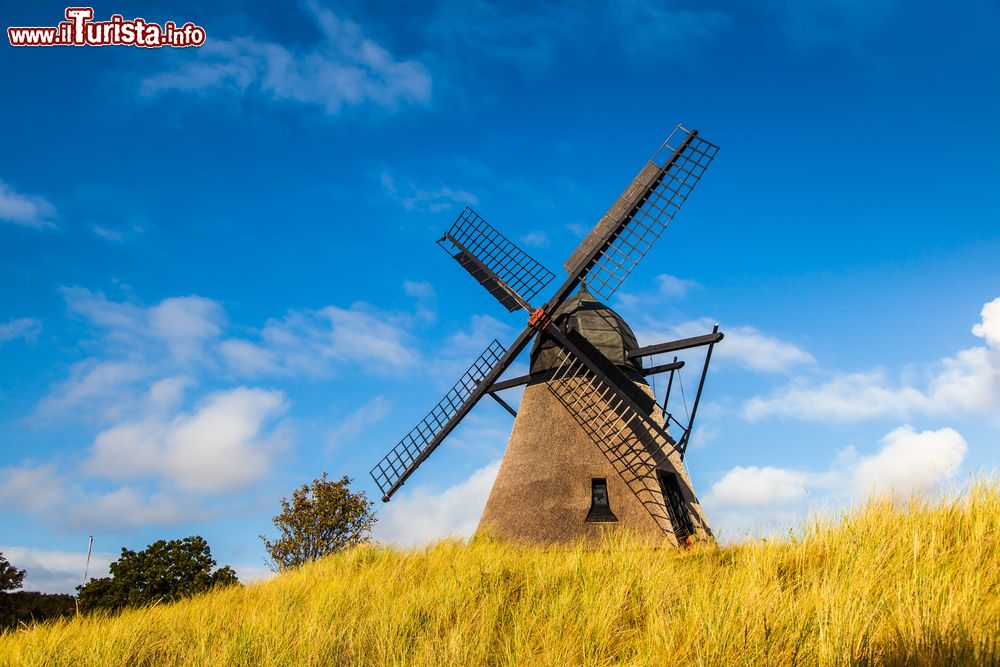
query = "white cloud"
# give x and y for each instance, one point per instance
(95, 384)
(480, 333)
(248, 574)
(33, 488)
(50, 571)
(119, 233)
(758, 487)
(535, 239)
(164, 396)
(484, 432)
(219, 446)
(249, 359)
(107, 233)
(668, 288)
(228, 441)
(672, 286)
(345, 69)
(426, 299)
(24, 327)
(182, 325)
(756, 500)
(424, 516)
(355, 423)
(134, 344)
(968, 382)
(61, 500)
(910, 461)
(465, 345)
(186, 324)
(419, 289)
(705, 433)
(753, 350)
(102, 313)
(186, 333)
(310, 343)
(122, 509)
(25, 210)
(989, 327)
(846, 398)
(743, 346)
(423, 199)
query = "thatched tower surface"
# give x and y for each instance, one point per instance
(558, 483)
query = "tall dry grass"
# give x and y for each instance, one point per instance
(914, 583)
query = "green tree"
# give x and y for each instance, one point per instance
(11, 578)
(321, 519)
(163, 571)
(27, 607)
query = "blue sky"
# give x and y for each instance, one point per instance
(220, 277)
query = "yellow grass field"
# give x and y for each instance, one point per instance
(915, 583)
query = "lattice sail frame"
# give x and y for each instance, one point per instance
(630, 440)
(394, 464)
(499, 255)
(686, 157)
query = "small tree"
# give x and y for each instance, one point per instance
(11, 578)
(163, 571)
(321, 519)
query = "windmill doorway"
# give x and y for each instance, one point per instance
(677, 510)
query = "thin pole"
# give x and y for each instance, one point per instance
(670, 383)
(697, 397)
(86, 570)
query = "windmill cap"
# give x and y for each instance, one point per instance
(600, 325)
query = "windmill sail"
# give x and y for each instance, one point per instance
(620, 420)
(628, 230)
(396, 466)
(606, 403)
(506, 271)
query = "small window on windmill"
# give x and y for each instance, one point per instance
(680, 517)
(600, 504)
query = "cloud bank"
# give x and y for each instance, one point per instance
(345, 69)
(966, 383)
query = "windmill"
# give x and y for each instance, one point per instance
(590, 447)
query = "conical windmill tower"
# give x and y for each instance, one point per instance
(554, 484)
(590, 448)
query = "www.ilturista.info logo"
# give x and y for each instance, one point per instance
(81, 30)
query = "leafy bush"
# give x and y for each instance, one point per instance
(163, 571)
(27, 607)
(10, 577)
(321, 519)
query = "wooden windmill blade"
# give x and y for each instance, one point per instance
(623, 236)
(402, 460)
(511, 275)
(585, 379)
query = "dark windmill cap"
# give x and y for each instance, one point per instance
(601, 326)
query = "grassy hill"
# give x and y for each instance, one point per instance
(889, 584)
